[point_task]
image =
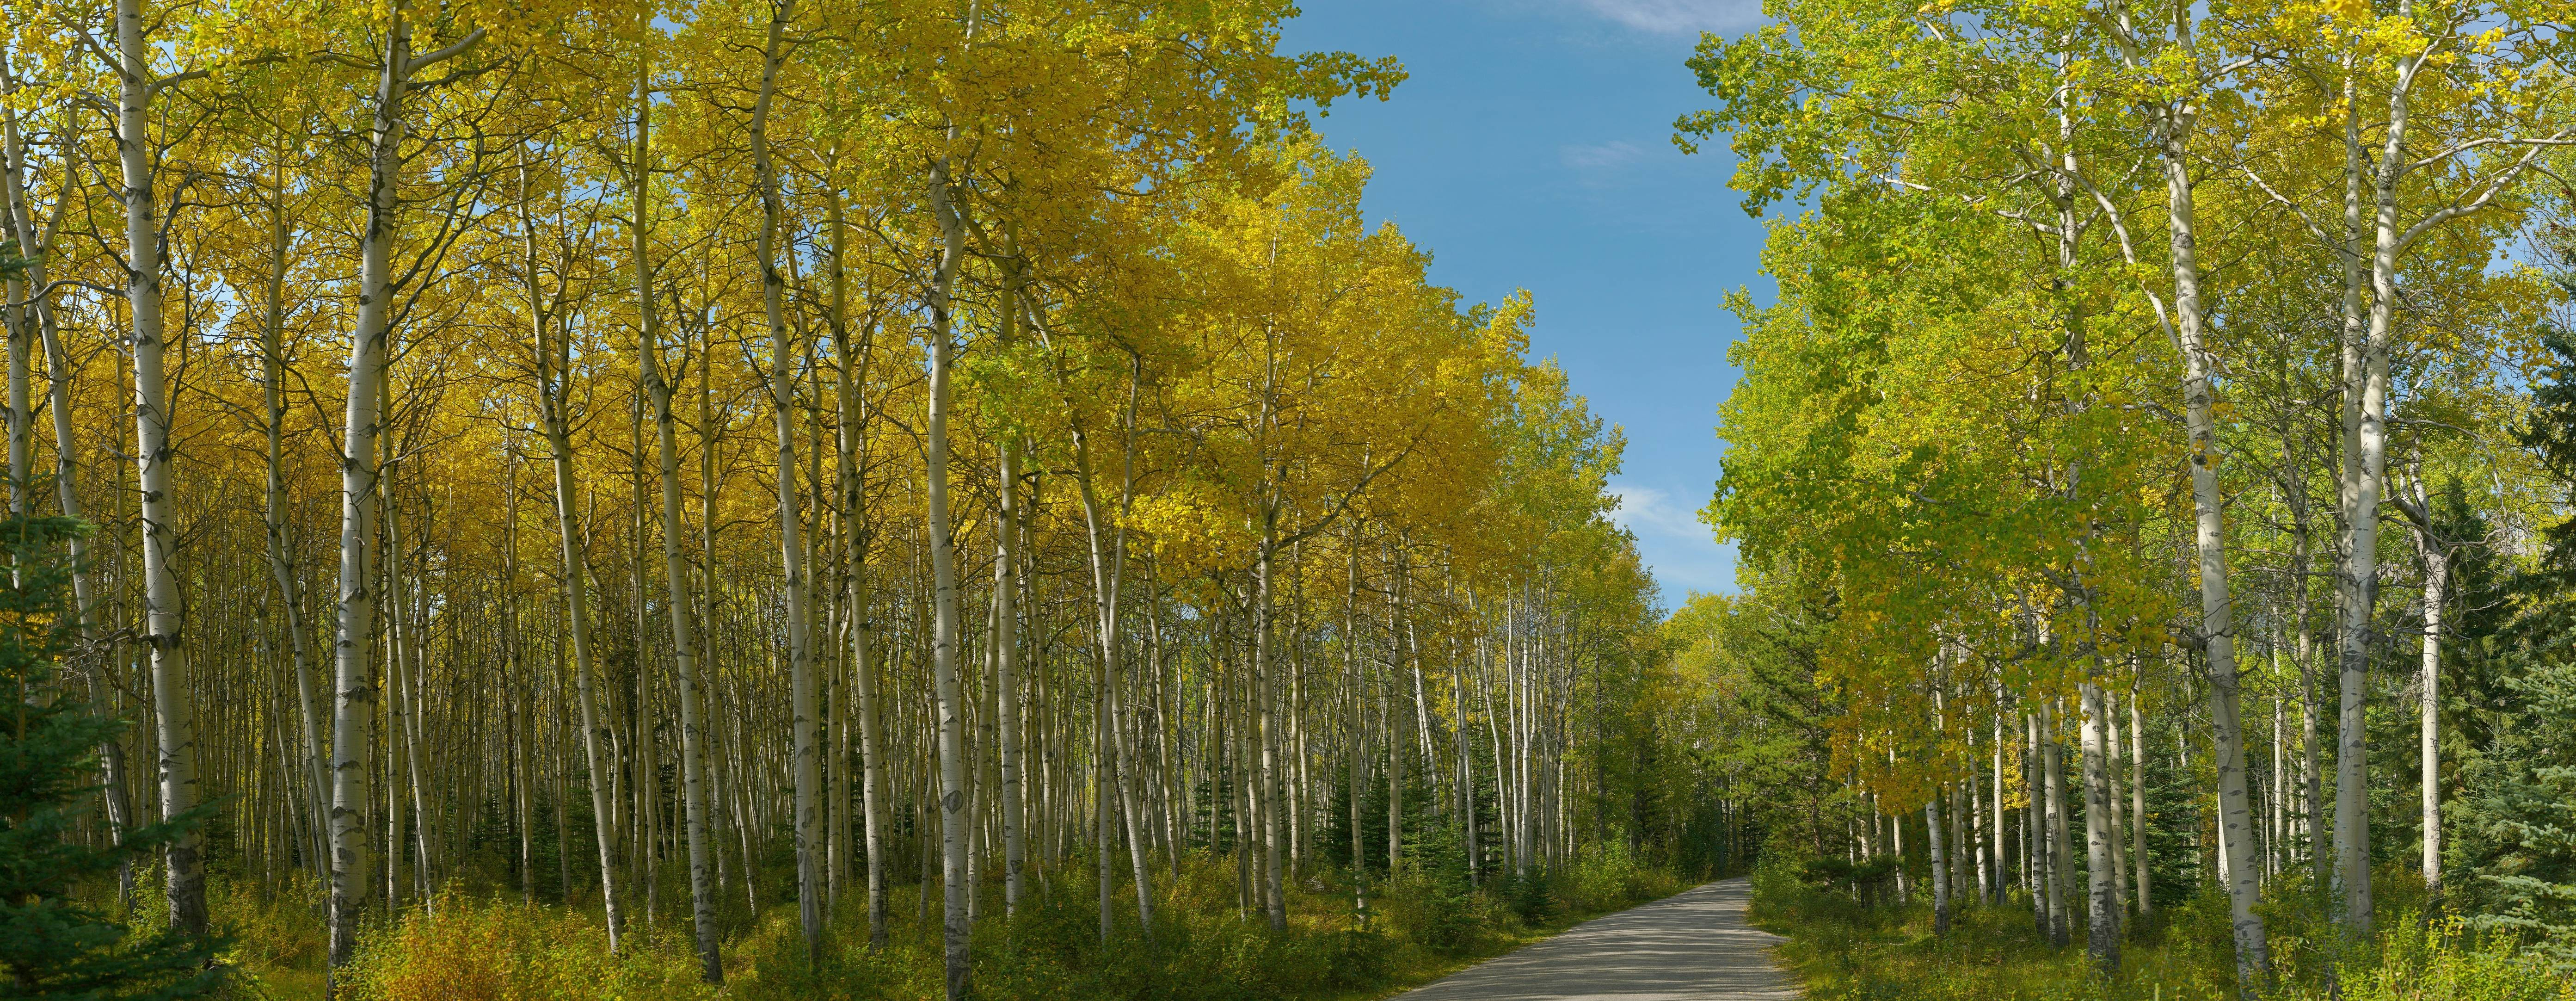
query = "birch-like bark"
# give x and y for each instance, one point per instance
(2365, 468)
(2061, 849)
(1995, 889)
(1358, 736)
(806, 757)
(675, 564)
(1006, 573)
(2276, 826)
(2311, 768)
(2117, 824)
(21, 329)
(2138, 803)
(835, 560)
(397, 732)
(173, 709)
(354, 688)
(2437, 574)
(1940, 864)
(281, 564)
(523, 766)
(943, 570)
(554, 362)
(2102, 918)
(1395, 747)
(855, 529)
(1266, 684)
(2218, 627)
(1108, 546)
(1006, 655)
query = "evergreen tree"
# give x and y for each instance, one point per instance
(52, 943)
(2514, 819)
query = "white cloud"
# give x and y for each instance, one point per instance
(1678, 17)
(1646, 509)
(1682, 551)
(1607, 156)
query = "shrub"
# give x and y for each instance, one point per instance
(1531, 899)
(484, 950)
(2446, 958)
(1606, 877)
(1432, 901)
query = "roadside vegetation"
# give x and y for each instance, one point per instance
(1429, 923)
(1844, 949)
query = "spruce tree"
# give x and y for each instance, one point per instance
(54, 943)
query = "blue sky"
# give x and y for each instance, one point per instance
(1531, 148)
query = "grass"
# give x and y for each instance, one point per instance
(479, 945)
(1845, 951)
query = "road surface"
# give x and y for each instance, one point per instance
(1692, 946)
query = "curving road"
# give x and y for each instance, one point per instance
(1692, 946)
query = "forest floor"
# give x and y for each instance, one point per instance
(482, 943)
(1692, 946)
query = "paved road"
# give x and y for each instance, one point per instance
(1692, 946)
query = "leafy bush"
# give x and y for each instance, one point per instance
(280, 928)
(472, 950)
(1844, 949)
(1606, 877)
(2449, 959)
(1360, 957)
(1201, 947)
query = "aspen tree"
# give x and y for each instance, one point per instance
(944, 641)
(798, 607)
(859, 531)
(2138, 804)
(2102, 918)
(354, 683)
(1006, 613)
(552, 334)
(2435, 553)
(675, 567)
(173, 710)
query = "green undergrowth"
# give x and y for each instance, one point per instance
(1843, 950)
(1423, 925)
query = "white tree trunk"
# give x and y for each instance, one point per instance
(2061, 849)
(173, 709)
(2217, 631)
(2102, 918)
(2138, 805)
(861, 614)
(2117, 824)
(1006, 661)
(806, 757)
(1995, 890)
(576, 564)
(943, 570)
(675, 566)
(397, 732)
(2437, 572)
(1108, 547)
(1940, 863)
(354, 688)
(2365, 449)
(1266, 685)
(290, 596)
